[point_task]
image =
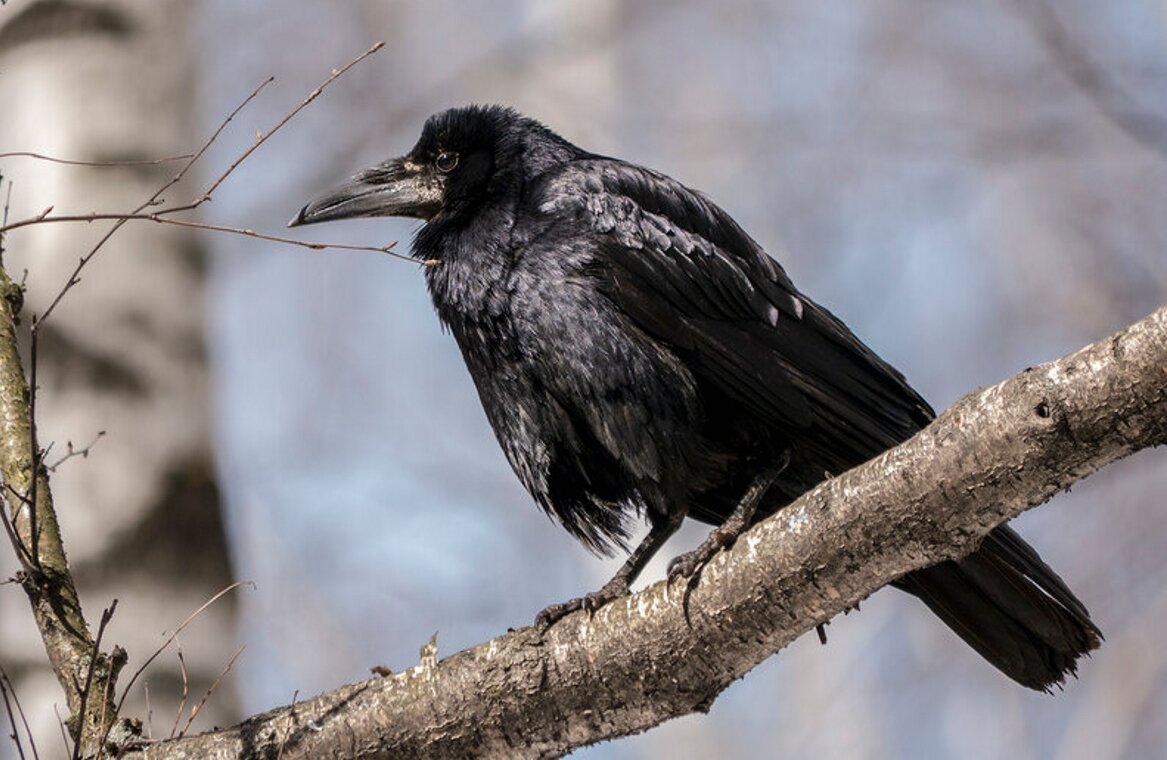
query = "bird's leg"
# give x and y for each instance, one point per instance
(723, 536)
(662, 529)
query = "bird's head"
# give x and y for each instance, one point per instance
(464, 156)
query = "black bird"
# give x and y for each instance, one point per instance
(637, 353)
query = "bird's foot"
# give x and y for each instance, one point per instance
(611, 591)
(690, 564)
(725, 535)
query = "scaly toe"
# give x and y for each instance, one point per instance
(590, 602)
(552, 614)
(686, 566)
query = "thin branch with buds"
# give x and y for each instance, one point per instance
(263, 137)
(163, 214)
(85, 673)
(72, 452)
(153, 200)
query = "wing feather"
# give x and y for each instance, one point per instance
(688, 275)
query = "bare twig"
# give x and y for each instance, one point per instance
(162, 214)
(151, 201)
(4, 218)
(71, 162)
(161, 218)
(263, 137)
(185, 690)
(194, 711)
(247, 232)
(61, 726)
(6, 688)
(292, 715)
(23, 717)
(149, 711)
(83, 671)
(22, 498)
(72, 452)
(22, 552)
(170, 639)
(106, 616)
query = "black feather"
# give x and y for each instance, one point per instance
(637, 353)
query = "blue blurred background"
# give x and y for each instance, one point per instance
(949, 178)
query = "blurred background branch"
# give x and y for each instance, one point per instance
(1095, 82)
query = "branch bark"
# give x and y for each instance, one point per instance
(86, 675)
(649, 657)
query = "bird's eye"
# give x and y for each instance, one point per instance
(446, 161)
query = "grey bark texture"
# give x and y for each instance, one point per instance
(656, 654)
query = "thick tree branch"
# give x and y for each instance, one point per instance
(645, 659)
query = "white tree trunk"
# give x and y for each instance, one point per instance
(111, 80)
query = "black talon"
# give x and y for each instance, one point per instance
(725, 536)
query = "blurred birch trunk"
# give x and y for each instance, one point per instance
(112, 80)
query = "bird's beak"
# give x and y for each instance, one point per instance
(397, 187)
